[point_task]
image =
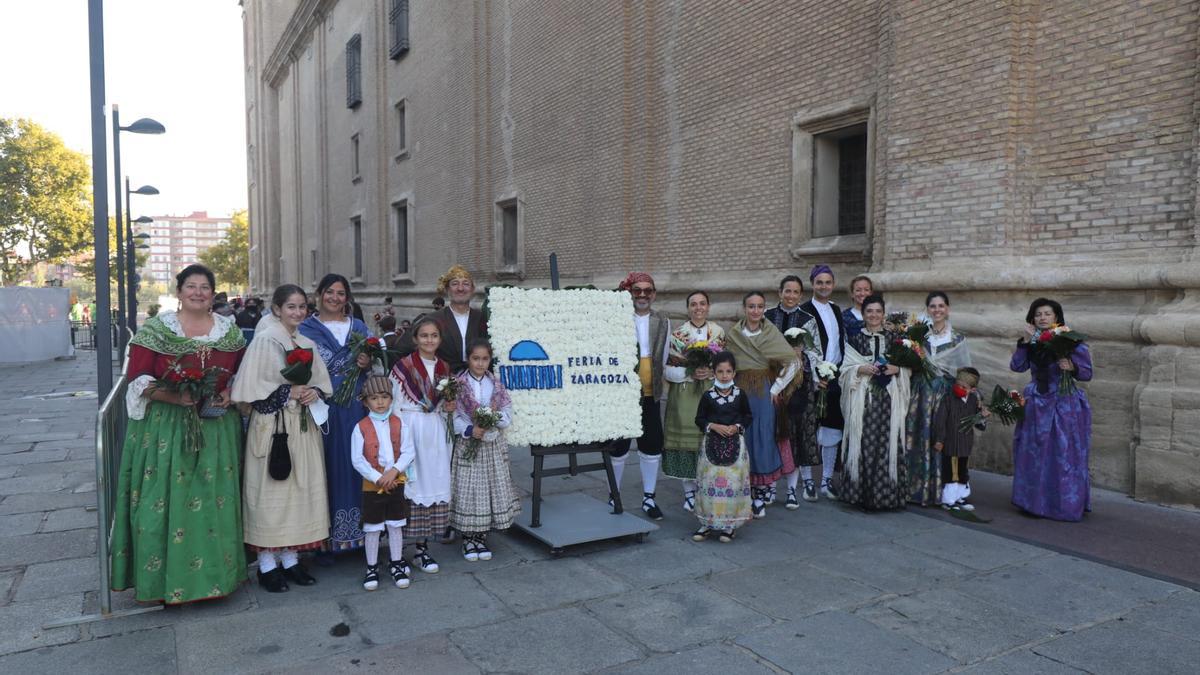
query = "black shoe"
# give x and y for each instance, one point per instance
(726, 536)
(299, 576)
(701, 534)
(371, 580)
(485, 553)
(791, 502)
(827, 490)
(425, 562)
(273, 581)
(650, 507)
(810, 491)
(399, 574)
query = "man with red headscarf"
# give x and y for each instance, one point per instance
(652, 329)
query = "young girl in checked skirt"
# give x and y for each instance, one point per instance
(485, 497)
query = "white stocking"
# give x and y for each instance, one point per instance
(689, 485)
(794, 479)
(395, 542)
(372, 547)
(288, 558)
(619, 469)
(649, 464)
(266, 561)
(828, 459)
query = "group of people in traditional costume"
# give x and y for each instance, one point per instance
(198, 489)
(769, 408)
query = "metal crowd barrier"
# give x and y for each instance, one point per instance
(111, 421)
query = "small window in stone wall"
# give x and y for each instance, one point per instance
(401, 129)
(355, 159)
(354, 71)
(840, 181)
(400, 209)
(832, 180)
(398, 25)
(852, 184)
(356, 232)
(509, 229)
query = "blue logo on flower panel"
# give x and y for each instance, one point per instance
(527, 350)
(530, 376)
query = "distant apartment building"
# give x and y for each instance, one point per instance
(177, 241)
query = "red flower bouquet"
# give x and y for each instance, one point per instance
(298, 371)
(198, 384)
(1006, 406)
(1060, 341)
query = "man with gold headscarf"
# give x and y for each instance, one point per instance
(460, 324)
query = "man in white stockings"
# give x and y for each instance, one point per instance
(652, 329)
(829, 335)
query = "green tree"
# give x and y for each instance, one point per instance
(45, 198)
(230, 259)
(87, 265)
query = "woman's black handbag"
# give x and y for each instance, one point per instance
(279, 462)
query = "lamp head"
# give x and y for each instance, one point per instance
(143, 220)
(145, 126)
(145, 190)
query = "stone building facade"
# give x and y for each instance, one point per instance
(996, 150)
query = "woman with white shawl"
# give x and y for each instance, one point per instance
(947, 349)
(875, 403)
(284, 515)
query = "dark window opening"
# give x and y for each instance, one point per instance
(354, 71)
(508, 224)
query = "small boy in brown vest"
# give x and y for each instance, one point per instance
(373, 452)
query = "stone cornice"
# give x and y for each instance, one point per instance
(295, 36)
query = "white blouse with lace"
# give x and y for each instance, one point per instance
(135, 399)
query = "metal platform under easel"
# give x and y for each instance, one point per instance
(575, 518)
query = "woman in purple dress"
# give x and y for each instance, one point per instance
(1051, 445)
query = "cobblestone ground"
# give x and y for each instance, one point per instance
(823, 589)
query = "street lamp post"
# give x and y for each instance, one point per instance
(131, 262)
(144, 125)
(104, 369)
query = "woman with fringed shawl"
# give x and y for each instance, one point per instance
(419, 405)
(330, 328)
(875, 404)
(767, 364)
(947, 350)
(288, 515)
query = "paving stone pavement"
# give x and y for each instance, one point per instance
(823, 589)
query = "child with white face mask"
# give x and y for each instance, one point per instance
(382, 451)
(723, 468)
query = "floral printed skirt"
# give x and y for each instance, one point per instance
(177, 533)
(723, 492)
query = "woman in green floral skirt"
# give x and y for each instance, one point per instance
(177, 535)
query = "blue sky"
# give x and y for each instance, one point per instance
(177, 61)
